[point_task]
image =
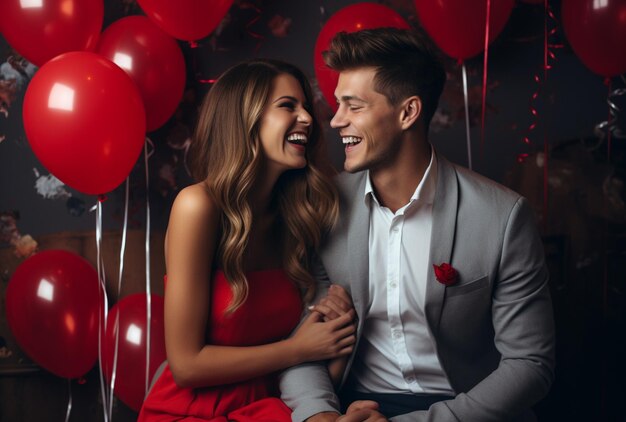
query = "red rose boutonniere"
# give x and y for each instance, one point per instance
(445, 274)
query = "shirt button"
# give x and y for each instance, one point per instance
(396, 229)
(393, 285)
(410, 379)
(397, 334)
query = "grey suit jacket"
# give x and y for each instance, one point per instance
(493, 330)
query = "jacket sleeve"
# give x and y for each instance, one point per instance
(524, 334)
(307, 388)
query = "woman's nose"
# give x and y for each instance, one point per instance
(305, 117)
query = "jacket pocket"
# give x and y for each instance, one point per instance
(467, 287)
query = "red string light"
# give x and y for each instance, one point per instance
(548, 56)
(533, 110)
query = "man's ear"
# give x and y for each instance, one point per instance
(410, 111)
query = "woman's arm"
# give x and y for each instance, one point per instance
(336, 303)
(190, 245)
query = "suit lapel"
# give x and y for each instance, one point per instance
(445, 207)
(358, 246)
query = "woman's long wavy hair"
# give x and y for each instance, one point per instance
(226, 154)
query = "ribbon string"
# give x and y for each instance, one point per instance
(116, 327)
(485, 70)
(147, 154)
(106, 394)
(69, 401)
(467, 124)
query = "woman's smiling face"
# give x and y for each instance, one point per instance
(285, 125)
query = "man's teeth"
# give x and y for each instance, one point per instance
(298, 138)
(350, 140)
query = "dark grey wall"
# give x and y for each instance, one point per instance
(576, 103)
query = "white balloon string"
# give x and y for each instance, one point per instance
(116, 330)
(467, 122)
(105, 305)
(147, 156)
(116, 327)
(485, 71)
(69, 402)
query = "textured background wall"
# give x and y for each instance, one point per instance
(583, 220)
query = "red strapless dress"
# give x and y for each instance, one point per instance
(270, 313)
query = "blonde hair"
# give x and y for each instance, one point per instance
(226, 155)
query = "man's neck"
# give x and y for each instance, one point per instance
(395, 184)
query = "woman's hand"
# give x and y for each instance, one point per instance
(336, 303)
(316, 339)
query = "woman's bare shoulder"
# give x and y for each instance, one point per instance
(194, 220)
(195, 201)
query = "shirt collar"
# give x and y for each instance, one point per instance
(425, 191)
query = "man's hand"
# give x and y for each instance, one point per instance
(323, 417)
(336, 303)
(363, 411)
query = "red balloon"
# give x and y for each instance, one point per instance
(52, 305)
(597, 33)
(458, 26)
(349, 19)
(152, 59)
(188, 20)
(84, 120)
(130, 374)
(42, 29)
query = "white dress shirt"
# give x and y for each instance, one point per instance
(397, 353)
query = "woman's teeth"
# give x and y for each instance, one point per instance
(297, 138)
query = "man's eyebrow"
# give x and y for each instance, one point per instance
(351, 98)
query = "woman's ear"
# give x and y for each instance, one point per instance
(411, 110)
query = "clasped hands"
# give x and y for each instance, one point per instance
(335, 304)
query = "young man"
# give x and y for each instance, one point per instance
(445, 268)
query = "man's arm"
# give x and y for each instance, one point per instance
(524, 334)
(307, 388)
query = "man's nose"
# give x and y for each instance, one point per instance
(338, 119)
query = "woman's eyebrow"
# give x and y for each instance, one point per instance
(286, 97)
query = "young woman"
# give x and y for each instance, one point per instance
(237, 248)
